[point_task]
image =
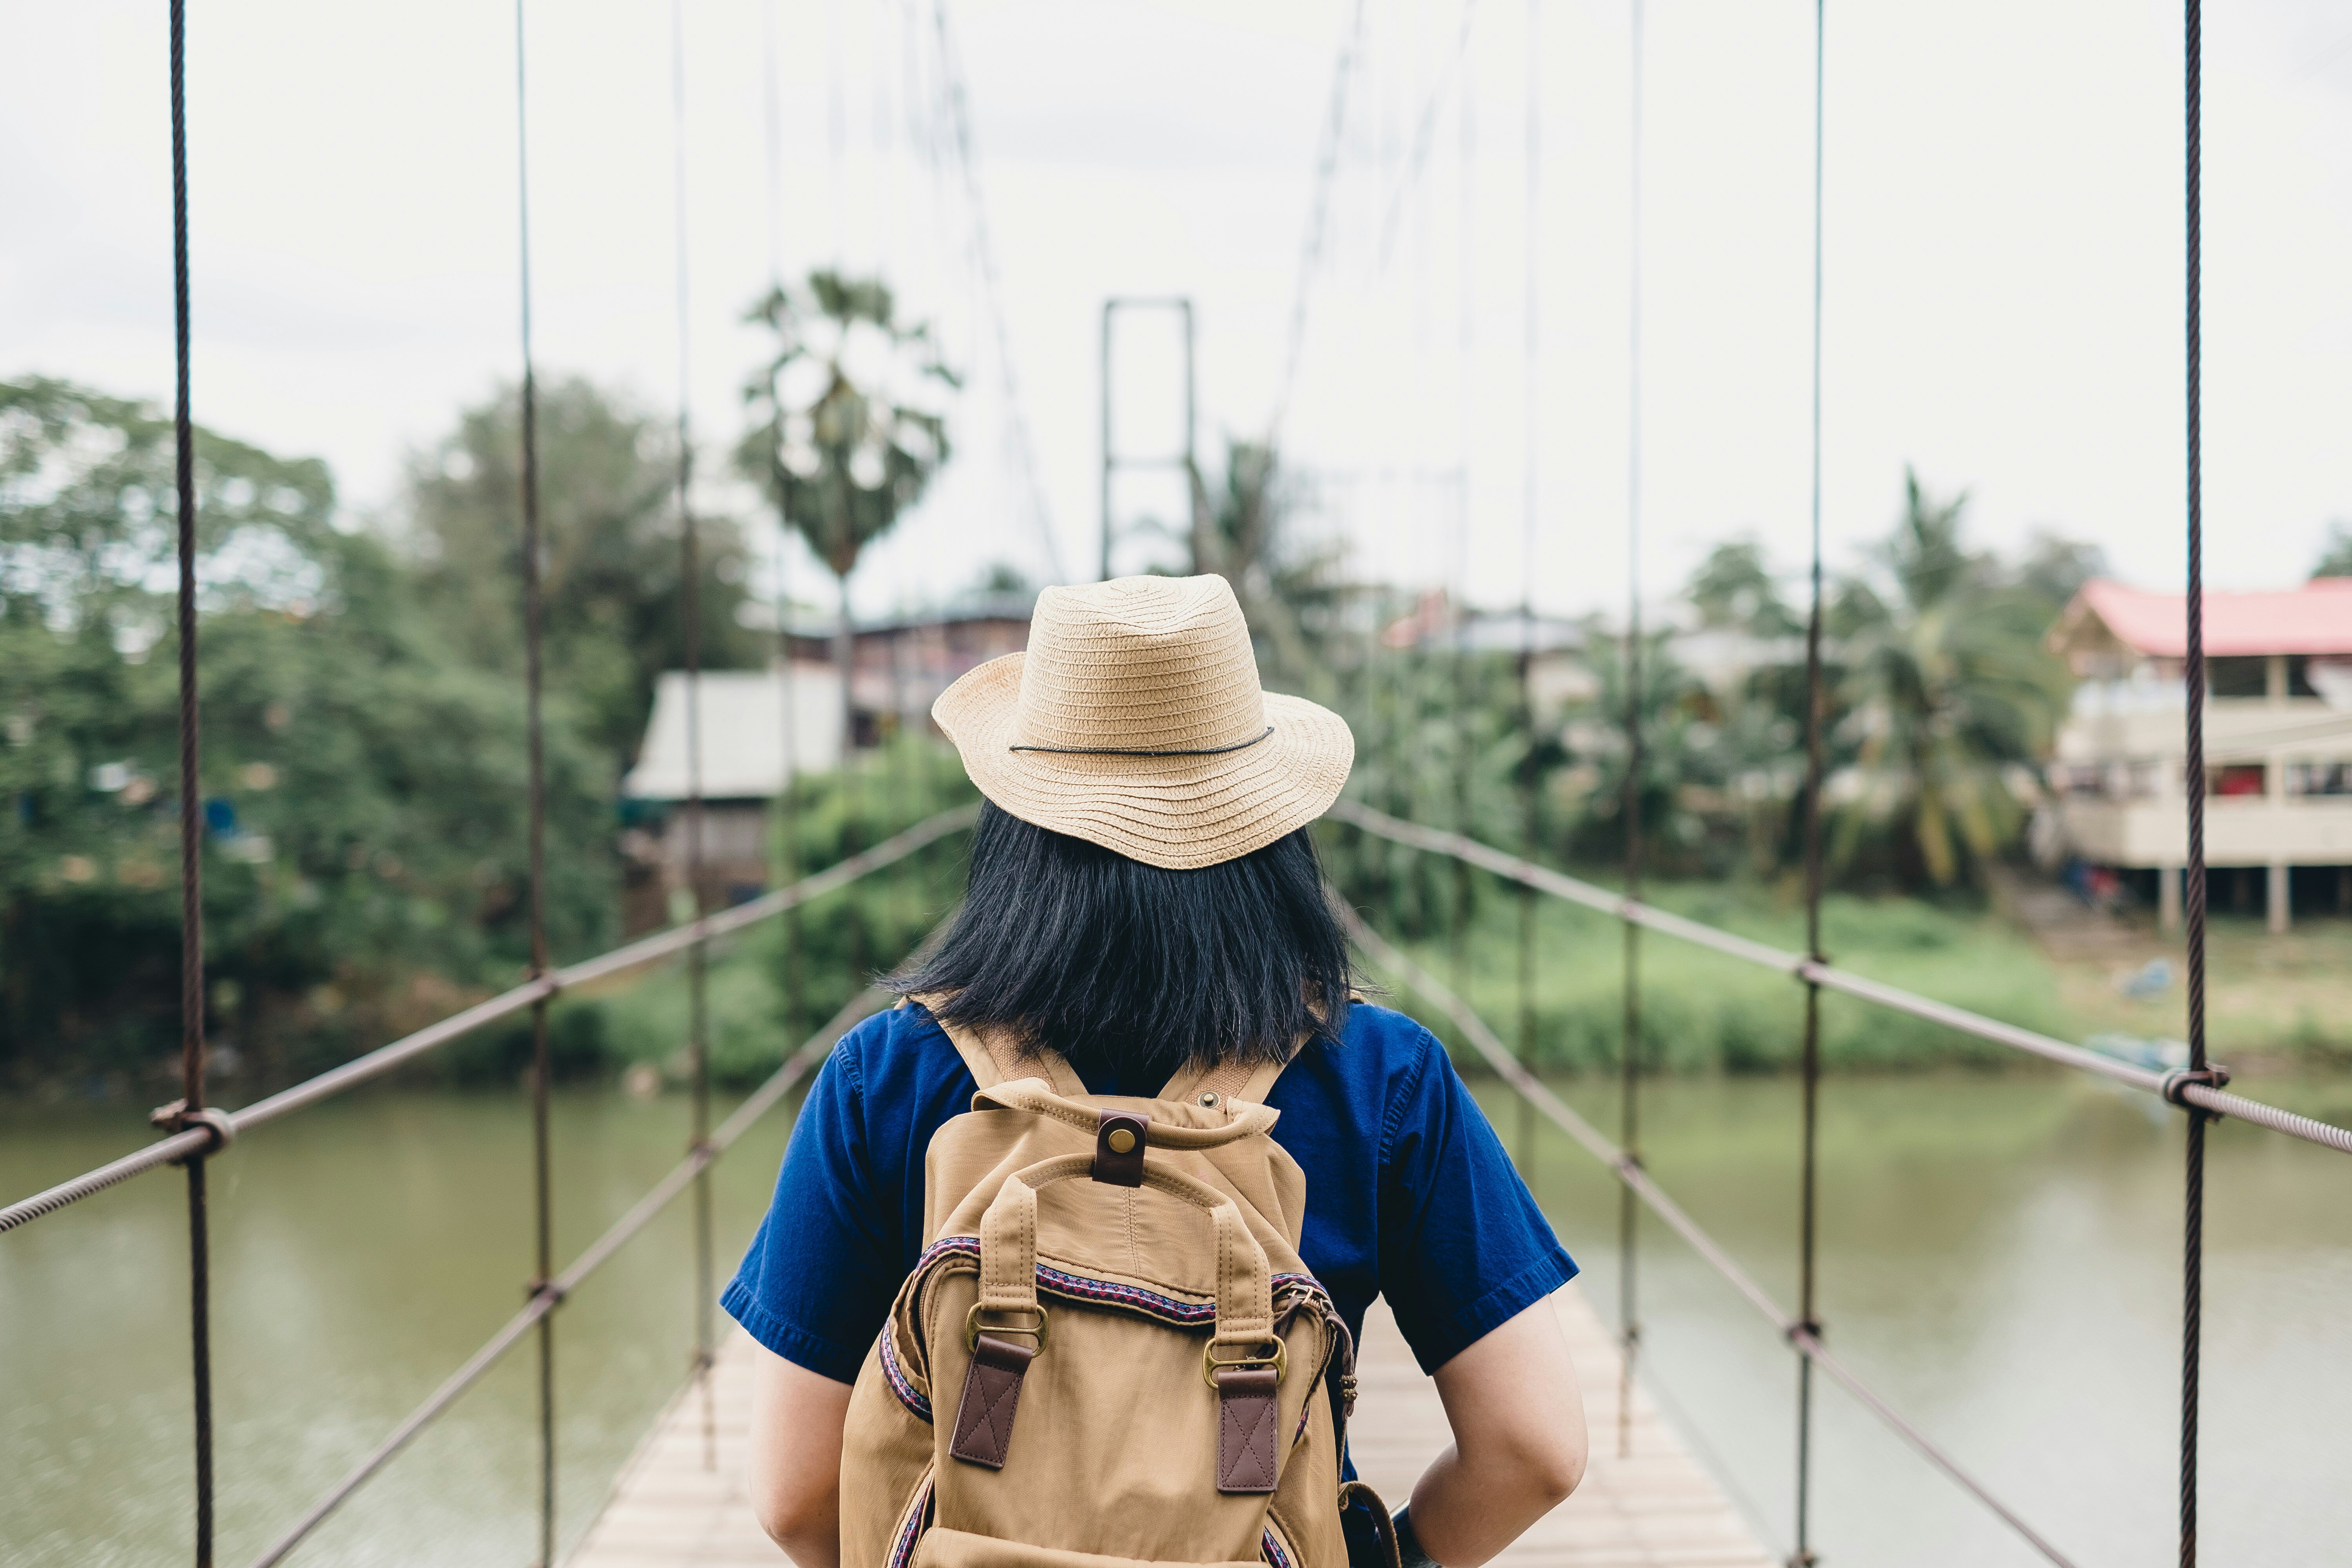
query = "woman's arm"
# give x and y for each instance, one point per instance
(1510, 1397)
(796, 1458)
(1518, 1441)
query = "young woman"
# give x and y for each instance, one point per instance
(1144, 895)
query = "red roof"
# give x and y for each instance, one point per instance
(2314, 618)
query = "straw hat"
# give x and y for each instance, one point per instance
(1134, 721)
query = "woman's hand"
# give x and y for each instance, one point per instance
(1518, 1441)
(796, 1458)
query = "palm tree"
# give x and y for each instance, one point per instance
(851, 423)
(1289, 586)
(1947, 689)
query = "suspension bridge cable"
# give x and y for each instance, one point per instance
(1808, 1230)
(697, 958)
(1628, 1050)
(1465, 437)
(227, 1125)
(788, 777)
(982, 258)
(1633, 1178)
(2192, 1302)
(544, 1303)
(1319, 217)
(1425, 129)
(191, 1110)
(1531, 348)
(533, 557)
(1437, 841)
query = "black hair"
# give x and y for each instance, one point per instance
(1128, 967)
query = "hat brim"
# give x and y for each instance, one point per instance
(1177, 813)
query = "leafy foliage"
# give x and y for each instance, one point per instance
(612, 574)
(2336, 555)
(1946, 685)
(849, 423)
(361, 773)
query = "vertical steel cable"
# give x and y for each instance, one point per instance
(192, 865)
(788, 780)
(1807, 1208)
(1629, 1049)
(534, 669)
(2193, 1303)
(1465, 732)
(698, 956)
(1532, 355)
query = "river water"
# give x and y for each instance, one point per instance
(2000, 1257)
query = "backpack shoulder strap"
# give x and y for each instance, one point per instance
(1225, 1081)
(994, 1059)
(1235, 1080)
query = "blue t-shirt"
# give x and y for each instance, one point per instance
(1408, 1193)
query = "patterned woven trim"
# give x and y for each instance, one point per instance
(1111, 1292)
(1269, 1550)
(904, 1547)
(900, 1384)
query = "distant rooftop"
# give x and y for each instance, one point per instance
(742, 733)
(2315, 618)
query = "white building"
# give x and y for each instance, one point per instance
(2278, 739)
(741, 717)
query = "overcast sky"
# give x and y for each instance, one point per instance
(2003, 253)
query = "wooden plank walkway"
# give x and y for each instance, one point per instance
(1656, 1509)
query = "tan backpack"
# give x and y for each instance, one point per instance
(1109, 1352)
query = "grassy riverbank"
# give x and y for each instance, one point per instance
(2276, 1003)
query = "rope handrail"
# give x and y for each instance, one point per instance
(1639, 1182)
(1544, 879)
(383, 1058)
(600, 1251)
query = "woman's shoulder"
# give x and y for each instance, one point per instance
(898, 1048)
(1381, 1052)
(1387, 1033)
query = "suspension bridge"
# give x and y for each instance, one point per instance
(1649, 1499)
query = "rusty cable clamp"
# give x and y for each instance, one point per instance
(177, 1118)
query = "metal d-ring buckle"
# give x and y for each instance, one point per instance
(1210, 1362)
(974, 1327)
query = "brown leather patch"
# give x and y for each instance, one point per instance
(992, 1394)
(1121, 1167)
(1247, 1418)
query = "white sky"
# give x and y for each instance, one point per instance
(2004, 251)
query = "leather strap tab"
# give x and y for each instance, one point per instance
(1121, 1166)
(1247, 1419)
(991, 1394)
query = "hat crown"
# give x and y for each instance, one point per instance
(1140, 664)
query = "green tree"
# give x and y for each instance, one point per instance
(1946, 687)
(615, 575)
(1292, 588)
(2336, 555)
(849, 422)
(1734, 588)
(362, 784)
(1682, 758)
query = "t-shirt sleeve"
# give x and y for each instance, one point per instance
(1464, 1248)
(818, 1280)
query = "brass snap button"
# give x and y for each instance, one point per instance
(1209, 1099)
(1121, 1140)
